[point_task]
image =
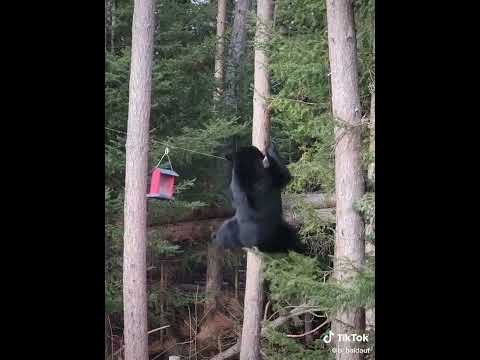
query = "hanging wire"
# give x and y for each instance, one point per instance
(168, 157)
(175, 147)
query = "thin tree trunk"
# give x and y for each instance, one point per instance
(220, 49)
(163, 289)
(371, 166)
(308, 328)
(216, 253)
(236, 282)
(106, 23)
(135, 212)
(112, 28)
(214, 277)
(253, 303)
(349, 235)
(261, 93)
(369, 247)
(236, 56)
(253, 306)
(107, 338)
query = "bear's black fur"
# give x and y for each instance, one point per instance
(256, 187)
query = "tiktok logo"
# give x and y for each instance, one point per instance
(328, 338)
(345, 337)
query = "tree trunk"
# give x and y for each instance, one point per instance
(308, 328)
(106, 24)
(220, 49)
(112, 28)
(164, 273)
(216, 253)
(369, 247)
(371, 166)
(253, 303)
(135, 212)
(261, 82)
(349, 183)
(236, 55)
(214, 277)
(107, 338)
(253, 306)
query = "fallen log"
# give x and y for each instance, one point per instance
(200, 223)
(189, 231)
(187, 215)
(317, 201)
(230, 352)
(324, 215)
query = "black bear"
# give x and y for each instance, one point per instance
(256, 185)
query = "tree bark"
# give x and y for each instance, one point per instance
(135, 211)
(349, 183)
(253, 303)
(308, 327)
(253, 306)
(220, 49)
(236, 55)
(106, 23)
(112, 28)
(107, 337)
(261, 93)
(216, 253)
(369, 247)
(214, 277)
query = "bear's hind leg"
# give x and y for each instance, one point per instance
(227, 235)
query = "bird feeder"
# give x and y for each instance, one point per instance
(162, 185)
